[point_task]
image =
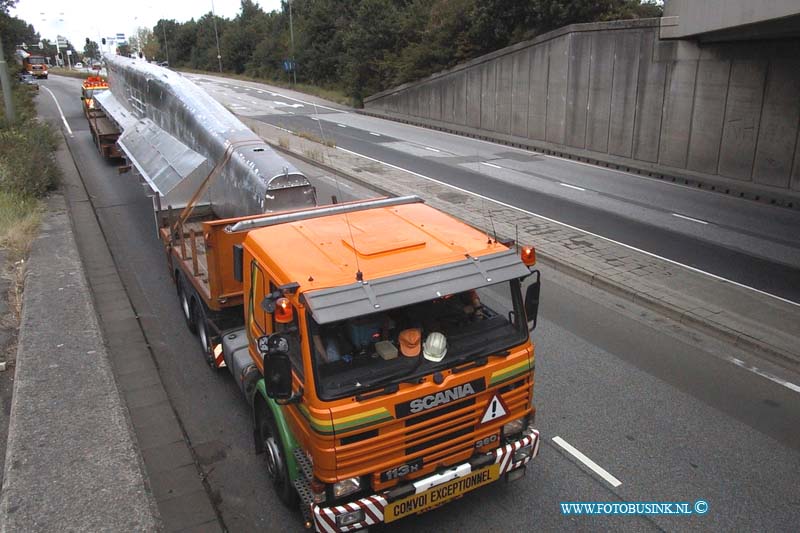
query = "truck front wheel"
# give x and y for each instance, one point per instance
(203, 334)
(275, 458)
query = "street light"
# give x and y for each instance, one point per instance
(216, 35)
(291, 39)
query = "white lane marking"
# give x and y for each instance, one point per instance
(254, 101)
(628, 246)
(375, 134)
(431, 149)
(341, 125)
(313, 118)
(690, 219)
(284, 104)
(63, 118)
(490, 164)
(594, 467)
(335, 182)
(290, 98)
(571, 186)
(741, 364)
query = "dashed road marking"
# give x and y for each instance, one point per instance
(690, 219)
(490, 164)
(591, 465)
(570, 226)
(571, 186)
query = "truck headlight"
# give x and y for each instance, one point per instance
(352, 517)
(346, 486)
(514, 427)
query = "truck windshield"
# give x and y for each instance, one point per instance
(373, 351)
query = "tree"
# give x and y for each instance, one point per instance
(91, 50)
(165, 32)
(239, 42)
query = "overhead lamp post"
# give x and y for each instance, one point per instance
(291, 40)
(216, 35)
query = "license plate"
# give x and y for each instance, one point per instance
(441, 494)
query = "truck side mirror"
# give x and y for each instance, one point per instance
(277, 366)
(532, 301)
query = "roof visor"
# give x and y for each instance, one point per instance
(372, 296)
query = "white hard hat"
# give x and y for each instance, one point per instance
(435, 347)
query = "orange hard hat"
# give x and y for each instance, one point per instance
(410, 342)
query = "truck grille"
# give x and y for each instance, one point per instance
(435, 435)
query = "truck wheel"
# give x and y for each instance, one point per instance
(186, 304)
(203, 334)
(275, 458)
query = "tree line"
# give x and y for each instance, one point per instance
(365, 46)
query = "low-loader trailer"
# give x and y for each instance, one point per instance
(382, 345)
(104, 131)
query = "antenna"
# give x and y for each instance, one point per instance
(359, 274)
(494, 232)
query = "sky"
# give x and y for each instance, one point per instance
(77, 20)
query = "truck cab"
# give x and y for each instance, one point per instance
(387, 357)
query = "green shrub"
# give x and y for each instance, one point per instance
(27, 165)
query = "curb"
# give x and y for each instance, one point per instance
(66, 402)
(718, 331)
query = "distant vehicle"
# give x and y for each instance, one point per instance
(35, 66)
(78, 65)
(97, 66)
(164, 64)
(27, 79)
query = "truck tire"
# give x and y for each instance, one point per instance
(185, 301)
(203, 333)
(275, 460)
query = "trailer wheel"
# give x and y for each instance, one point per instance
(203, 334)
(186, 303)
(275, 459)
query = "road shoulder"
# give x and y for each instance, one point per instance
(71, 461)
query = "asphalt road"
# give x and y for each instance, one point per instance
(647, 400)
(754, 244)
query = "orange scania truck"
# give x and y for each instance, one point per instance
(383, 346)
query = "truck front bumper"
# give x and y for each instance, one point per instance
(430, 492)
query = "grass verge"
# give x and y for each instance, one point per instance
(80, 74)
(28, 171)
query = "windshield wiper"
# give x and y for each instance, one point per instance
(400, 376)
(479, 361)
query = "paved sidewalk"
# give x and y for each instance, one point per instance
(761, 324)
(71, 461)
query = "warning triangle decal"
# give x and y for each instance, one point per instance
(494, 410)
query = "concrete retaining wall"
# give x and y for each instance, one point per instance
(724, 115)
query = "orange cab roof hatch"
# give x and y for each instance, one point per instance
(320, 252)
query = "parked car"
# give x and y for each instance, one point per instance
(78, 65)
(28, 79)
